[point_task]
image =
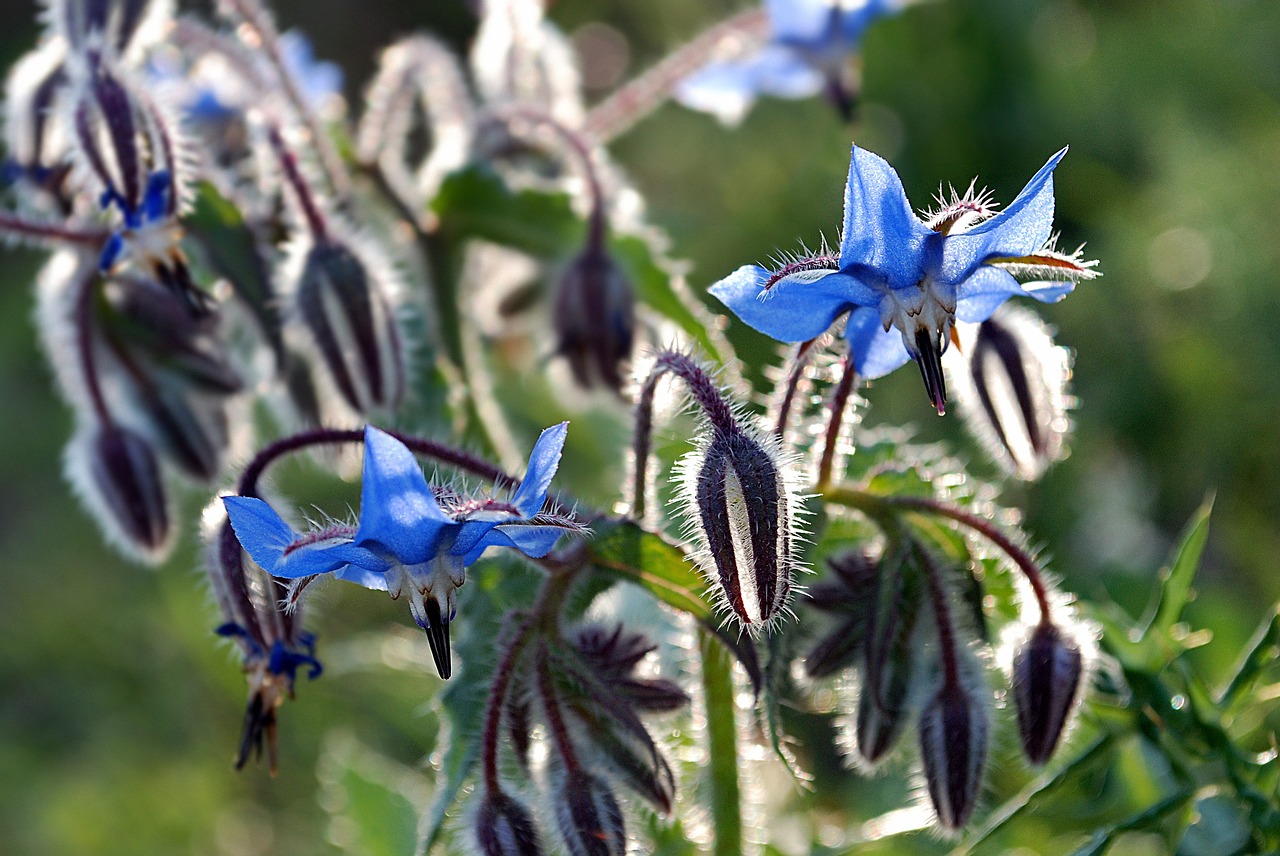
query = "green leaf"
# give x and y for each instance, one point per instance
(476, 203)
(1260, 655)
(1175, 588)
(724, 801)
(375, 798)
(652, 562)
(231, 250)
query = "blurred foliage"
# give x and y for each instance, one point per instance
(118, 716)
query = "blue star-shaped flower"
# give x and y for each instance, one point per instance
(808, 50)
(408, 540)
(905, 281)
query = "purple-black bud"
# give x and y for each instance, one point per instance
(848, 592)
(613, 657)
(504, 827)
(343, 305)
(33, 130)
(93, 24)
(191, 428)
(1011, 383)
(742, 507)
(953, 746)
(1047, 676)
(595, 320)
(129, 491)
(589, 817)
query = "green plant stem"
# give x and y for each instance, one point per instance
(725, 801)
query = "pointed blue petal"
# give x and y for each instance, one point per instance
(1020, 229)
(469, 534)
(981, 294)
(326, 557)
(532, 540)
(880, 229)
(724, 89)
(875, 351)
(797, 308)
(363, 576)
(399, 515)
(783, 73)
(543, 462)
(260, 530)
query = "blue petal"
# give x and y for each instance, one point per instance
(880, 229)
(260, 530)
(875, 351)
(981, 294)
(326, 557)
(155, 202)
(726, 90)
(111, 252)
(1018, 230)
(798, 307)
(399, 514)
(370, 579)
(470, 534)
(784, 73)
(543, 463)
(798, 21)
(533, 541)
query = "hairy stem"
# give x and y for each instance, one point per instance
(799, 362)
(839, 401)
(56, 233)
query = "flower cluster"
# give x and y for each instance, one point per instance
(229, 275)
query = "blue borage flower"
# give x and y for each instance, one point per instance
(809, 48)
(905, 281)
(410, 538)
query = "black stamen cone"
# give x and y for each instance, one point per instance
(437, 629)
(929, 356)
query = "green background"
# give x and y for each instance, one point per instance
(119, 711)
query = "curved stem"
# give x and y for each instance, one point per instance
(839, 401)
(799, 362)
(582, 151)
(942, 616)
(718, 412)
(875, 505)
(497, 698)
(34, 230)
(306, 199)
(248, 484)
(555, 720)
(642, 95)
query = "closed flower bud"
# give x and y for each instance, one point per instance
(595, 320)
(614, 655)
(342, 302)
(589, 817)
(1011, 381)
(33, 130)
(191, 428)
(953, 746)
(849, 592)
(741, 505)
(108, 23)
(1047, 677)
(125, 490)
(505, 828)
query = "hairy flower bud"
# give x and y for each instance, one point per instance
(34, 132)
(343, 305)
(742, 507)
(953, 745)
(504, 827)
(614, 655)
(595, 320)
(1012, 386)
(1047, 677)
(94, 24)
(892, 663)
(589, 817)
(127, 493)
(847, 592)
(191, 428)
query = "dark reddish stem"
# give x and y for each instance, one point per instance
(497, 698)
(555, 720)
(306, 199)
(582, 152)
(839, 401)
(942, 612)
(84, 345)
(14, 224)
(992, 533)
(718, 412)
(799, 363)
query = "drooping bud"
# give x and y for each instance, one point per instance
(114, 24)
(744, 515)
(1011, 382)
(1047, 678)
(127, 493)
(504, 827)
(344, 306)
(614, 655)
(589, 817)
(892, 663)
(595, 320)
(849, 593)
(191, 428)
(953, 746)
